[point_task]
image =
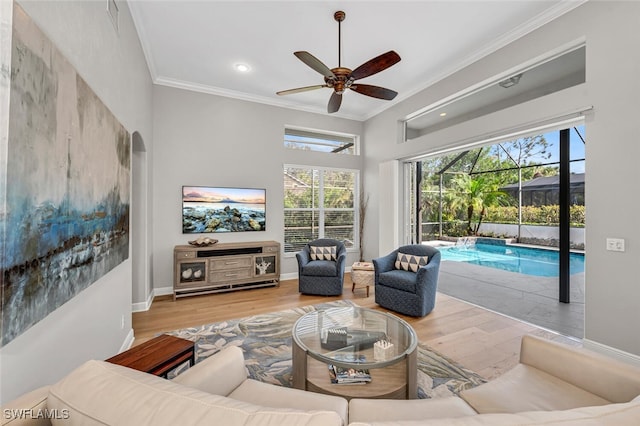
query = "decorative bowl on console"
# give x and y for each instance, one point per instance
(203, 242)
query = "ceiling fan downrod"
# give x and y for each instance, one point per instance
(339, 16)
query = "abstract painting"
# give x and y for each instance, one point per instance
(66, 212)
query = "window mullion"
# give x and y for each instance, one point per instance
(321, 204)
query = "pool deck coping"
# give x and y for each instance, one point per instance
(441, 243)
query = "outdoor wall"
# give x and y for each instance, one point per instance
(89, 325)
(534, 232)
(612, 85)
(203, 139)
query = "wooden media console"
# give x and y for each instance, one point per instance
(225, 267)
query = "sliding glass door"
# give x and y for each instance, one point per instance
(523, 195)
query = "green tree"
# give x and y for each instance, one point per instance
(486, 169)
(476, 193)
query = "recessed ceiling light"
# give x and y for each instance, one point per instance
(242, 67)
(442, 114)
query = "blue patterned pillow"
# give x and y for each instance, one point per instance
(323, 253)
(409, 262)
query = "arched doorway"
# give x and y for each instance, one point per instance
(140, 267)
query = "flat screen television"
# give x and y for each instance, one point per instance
(208, 209)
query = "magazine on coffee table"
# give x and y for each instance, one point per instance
(349, 375)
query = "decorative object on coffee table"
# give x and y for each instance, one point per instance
(362, 275)
(383, 350)
(159, 356)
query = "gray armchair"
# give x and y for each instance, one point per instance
(404, 291)
(323, 276)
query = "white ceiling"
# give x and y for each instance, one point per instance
(194, 44)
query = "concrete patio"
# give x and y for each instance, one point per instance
(525, 297)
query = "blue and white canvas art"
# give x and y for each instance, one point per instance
(66, 213)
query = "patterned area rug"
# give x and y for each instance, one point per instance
(266, 342)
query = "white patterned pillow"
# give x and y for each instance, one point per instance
(323, 253)
(409, 262)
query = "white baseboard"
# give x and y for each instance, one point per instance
(162, 291)
(289, 276)
(612, 352)
(128, 341)
(143, 306)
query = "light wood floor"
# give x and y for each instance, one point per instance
(483, 341)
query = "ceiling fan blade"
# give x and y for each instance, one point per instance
(375, 65)
(314, 63)
(301, 89)
(334, 103)
(374, 91)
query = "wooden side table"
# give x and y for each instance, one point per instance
(362, 275)
(158, 356)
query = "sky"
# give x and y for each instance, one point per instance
(577, 147)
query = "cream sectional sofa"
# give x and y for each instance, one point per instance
(553, 385)
(215, 391)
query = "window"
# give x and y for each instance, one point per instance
(319, 203)
(320, 142)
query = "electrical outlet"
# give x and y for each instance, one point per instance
(615, 244)
(122, 322)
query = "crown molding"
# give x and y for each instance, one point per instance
(211, 90)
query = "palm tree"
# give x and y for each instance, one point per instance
(476, 193)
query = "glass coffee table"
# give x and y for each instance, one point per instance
(355, 338)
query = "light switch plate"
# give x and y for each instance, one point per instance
(615, 244)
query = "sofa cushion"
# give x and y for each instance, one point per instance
(410, 262)
(526, 388)
(102, 393)
(609, 378)
(323, 252)
(218, 374)
(320, 268)
(268, 395)
(34, 403)
(626, 414)
(378, 410)
(398, 279)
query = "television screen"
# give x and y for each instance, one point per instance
(208, 209)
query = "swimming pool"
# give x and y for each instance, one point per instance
(523, 260)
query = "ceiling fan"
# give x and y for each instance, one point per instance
(340, 79)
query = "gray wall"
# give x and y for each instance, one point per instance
(89, 325)
(612, 150)
(203, 139)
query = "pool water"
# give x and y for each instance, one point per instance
(523, 260)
